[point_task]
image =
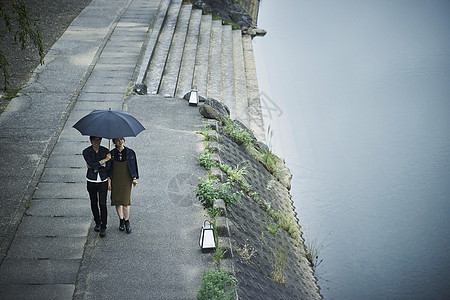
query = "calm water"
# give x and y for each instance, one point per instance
(357, 96)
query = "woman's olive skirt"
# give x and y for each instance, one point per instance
(121, 184)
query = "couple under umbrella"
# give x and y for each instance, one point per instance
(114, 170)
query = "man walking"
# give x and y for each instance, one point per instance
(98, 163)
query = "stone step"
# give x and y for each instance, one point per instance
(240, 81)
(202, 57)
(186, 77)
(214, 85)
(194, 50)
(159, 58)
(227, 69)
(151, 40)
(254, 101)
(173, 64)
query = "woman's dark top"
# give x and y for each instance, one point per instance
(129, 156)
(120, 156)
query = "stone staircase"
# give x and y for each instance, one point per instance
(185, 48)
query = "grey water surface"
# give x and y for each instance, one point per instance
(356, 97)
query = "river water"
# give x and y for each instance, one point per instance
(356, 98)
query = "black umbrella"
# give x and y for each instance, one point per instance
(109, 124)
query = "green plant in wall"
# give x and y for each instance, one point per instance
(219, 253)
(214, 212)
(208, 192)
(287, 223)
(217, 285)
(279, 263)
(239, 135)
(269, 160)
(205, 131)
(272, 228)
(312, 254)
(262, 241)
(313, 248)
(227, 193)
(246, 252)
(206, 161)
(237, 174)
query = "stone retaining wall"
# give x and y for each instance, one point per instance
(254, 253)
(252, 8)
(242, 13)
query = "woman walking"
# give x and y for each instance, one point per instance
(123, 174)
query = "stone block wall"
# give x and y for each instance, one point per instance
(251, 7)
(242, 13)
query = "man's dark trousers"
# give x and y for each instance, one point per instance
(98, 193)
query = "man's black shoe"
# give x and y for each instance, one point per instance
(103, 232)
(97, 228)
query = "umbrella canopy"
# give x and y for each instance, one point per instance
(109, 124)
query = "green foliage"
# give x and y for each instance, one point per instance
(15, 17)
(287, 223)
(205, 132)
(208, 193)
(237, 174)
(234, 26)
(228, 195)
(313, 248)
(238, 134)
(214, 212)
(269, 160)
(206, 161)
(219, 252)
(217, 285)
(279, 264)
(272, 228)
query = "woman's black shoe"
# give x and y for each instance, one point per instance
(122, 225)
(97, 227)
(127, 226)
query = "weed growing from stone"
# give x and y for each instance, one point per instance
(206, 161)
(205, 131)
(269, 160)
(214, 212)
(286, 222)
(312, 254)
(262, 241)
(272, 228)
(217, 285)
(271, 185)
(237, 175)
(239, 135)
(279, 263)
(207, 192)
(219, 253)
(313, 248)
(246, 252)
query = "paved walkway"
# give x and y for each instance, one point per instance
(49, 250)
